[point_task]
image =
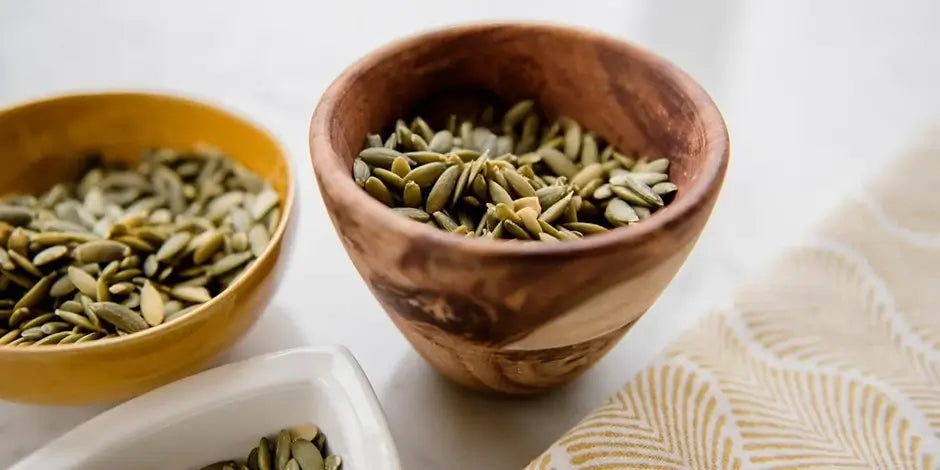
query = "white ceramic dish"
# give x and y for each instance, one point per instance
(221, 413)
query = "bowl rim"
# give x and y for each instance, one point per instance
(336, 178)
(276, 238)
(344, 376)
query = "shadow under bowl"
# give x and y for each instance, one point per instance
(519, 318)
(41, 144)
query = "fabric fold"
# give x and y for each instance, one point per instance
(828, 359)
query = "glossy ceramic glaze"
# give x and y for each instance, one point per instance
(219, 415)
(39, 145)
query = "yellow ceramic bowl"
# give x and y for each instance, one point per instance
(39, 142)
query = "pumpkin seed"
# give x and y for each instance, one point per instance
(425, 175)
(379, 156)
(618, 212)
(442, 141)
(412, 213)
(120, 316)
(664, 188)
(555, 171)
(443, 189)
(196, 294)
(555, 210)
(24, 263)
(100, 251)
(660, 165)
(37, 293)
(282, 449)
(307, 454)
(374, 140)
(50, 254)
(377, 189)
(361, 171)
(445, 221)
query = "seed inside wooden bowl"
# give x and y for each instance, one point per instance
(121, 250)
(518, 177)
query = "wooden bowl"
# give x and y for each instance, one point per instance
(510, 317)
(39, 143)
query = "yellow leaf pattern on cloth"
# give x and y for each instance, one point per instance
(829, 359)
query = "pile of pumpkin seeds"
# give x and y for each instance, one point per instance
(517, 178)
(122, 250)
(298, 448)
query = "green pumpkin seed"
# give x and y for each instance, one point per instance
(37, 322)
(556, 210)
(207, 244)
(332, 462)
(498, 193)
(377, 189)
(379, 156)
(100, 251)
(445, 221)
(374, 140)
(307, 454)
(585, 227)
(412, 195)
(32, 334)
(229, 262)
(90, 337)
(558, 162)
(292, 465)
(72, 306)
(572, 138)
(629, 196)
(258, 239)
(642, 212)
(50, 254)
(253, 459)
(54, 327)
(5, 261)
(120, 316)
(16, 216)
(660, 165)
(25, 263)
(516, 113)
(71, 338)
(443, 189)
(361, 171)
(442, 141)
(618, 213)
(518, 183)
(264, 202)
(587, 174)
(589, 154)
(426, 175)
(412, 213)
(664, 188)
(196, 294)
(9, 336)
(37, 293)
(649, 179)
(624, 161)
(425, 157)
(18, 317)
(400, 166)
(282, 449)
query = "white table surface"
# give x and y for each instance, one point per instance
(816, 95)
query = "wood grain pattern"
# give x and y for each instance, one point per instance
(519, 317)
(39, 143)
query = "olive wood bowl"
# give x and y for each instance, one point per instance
(40, 145)
(519, 317)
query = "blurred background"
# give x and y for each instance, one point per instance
(816, 96)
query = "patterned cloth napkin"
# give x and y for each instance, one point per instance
(830, 359)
